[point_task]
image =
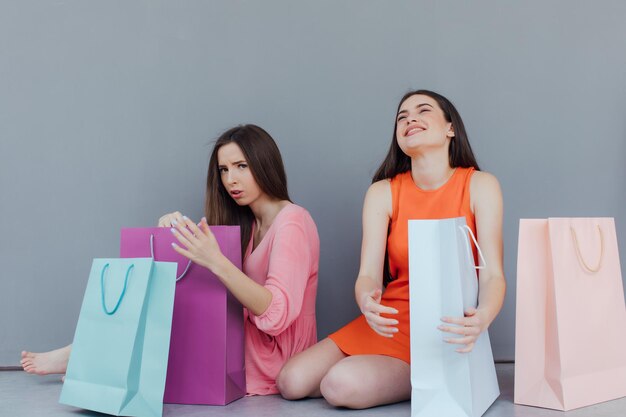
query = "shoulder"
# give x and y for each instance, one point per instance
(484, 188)
(484, 182)
(378, 197)
(294, 216)
(380, 189)
(294, 228)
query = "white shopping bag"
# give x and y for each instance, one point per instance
(443, 282)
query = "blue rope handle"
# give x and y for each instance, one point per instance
(119, 301)
(152, 254)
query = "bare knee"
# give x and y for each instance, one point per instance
(340, 388)
(291, 383)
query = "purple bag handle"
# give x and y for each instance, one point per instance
(152, 254)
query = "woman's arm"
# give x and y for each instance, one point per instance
(377, 210)
(293, 266)
(488, 213)
(201, 247)
(486, 201)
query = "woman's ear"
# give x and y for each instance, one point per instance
(450, 133)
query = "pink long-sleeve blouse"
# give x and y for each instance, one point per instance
(286, 263)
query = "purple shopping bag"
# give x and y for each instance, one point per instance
(206, 358)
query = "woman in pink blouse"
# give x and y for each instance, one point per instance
(247, 186)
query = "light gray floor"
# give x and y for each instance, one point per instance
(26, 395)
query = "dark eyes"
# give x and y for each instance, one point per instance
(222, 170)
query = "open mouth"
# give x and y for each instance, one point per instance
(413, 130)
(236, 193)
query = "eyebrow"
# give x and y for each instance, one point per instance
(417, 107)
(234, 163)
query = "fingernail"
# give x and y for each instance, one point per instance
(174, 245)
(440, 327)
(396, 322)
(185, 218)
(173, 230)
(174, 222)
(395, 330)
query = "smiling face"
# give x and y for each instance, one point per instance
(421, 123)
(236, 175)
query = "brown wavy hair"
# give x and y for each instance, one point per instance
(396, 162)
(266, 166)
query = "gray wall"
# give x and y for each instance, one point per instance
(107, 110)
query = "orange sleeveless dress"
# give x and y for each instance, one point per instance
(408, 202)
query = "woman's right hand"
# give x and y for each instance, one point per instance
(372, 309)
(167, 220)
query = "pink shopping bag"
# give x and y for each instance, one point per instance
(206, 357)
(571, 318)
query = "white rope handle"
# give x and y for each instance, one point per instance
(152, 254)
(469, 249)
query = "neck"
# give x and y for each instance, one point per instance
(265, 210)
(431, 170)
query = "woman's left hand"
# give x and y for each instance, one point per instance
(469, 327)
(198, 244)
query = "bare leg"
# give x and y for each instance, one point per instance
(302, 374)
(364, 381)
(53, 362)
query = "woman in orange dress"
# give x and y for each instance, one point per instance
(429, 173)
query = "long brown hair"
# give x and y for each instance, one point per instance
(396, 162)
(459, 153)
(266, 166)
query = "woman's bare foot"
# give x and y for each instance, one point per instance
(53, 362)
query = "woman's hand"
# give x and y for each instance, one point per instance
(169, 219)
(198, 243)
(371, 309)
(469, 327)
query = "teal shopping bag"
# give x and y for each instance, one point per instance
(119, 356)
